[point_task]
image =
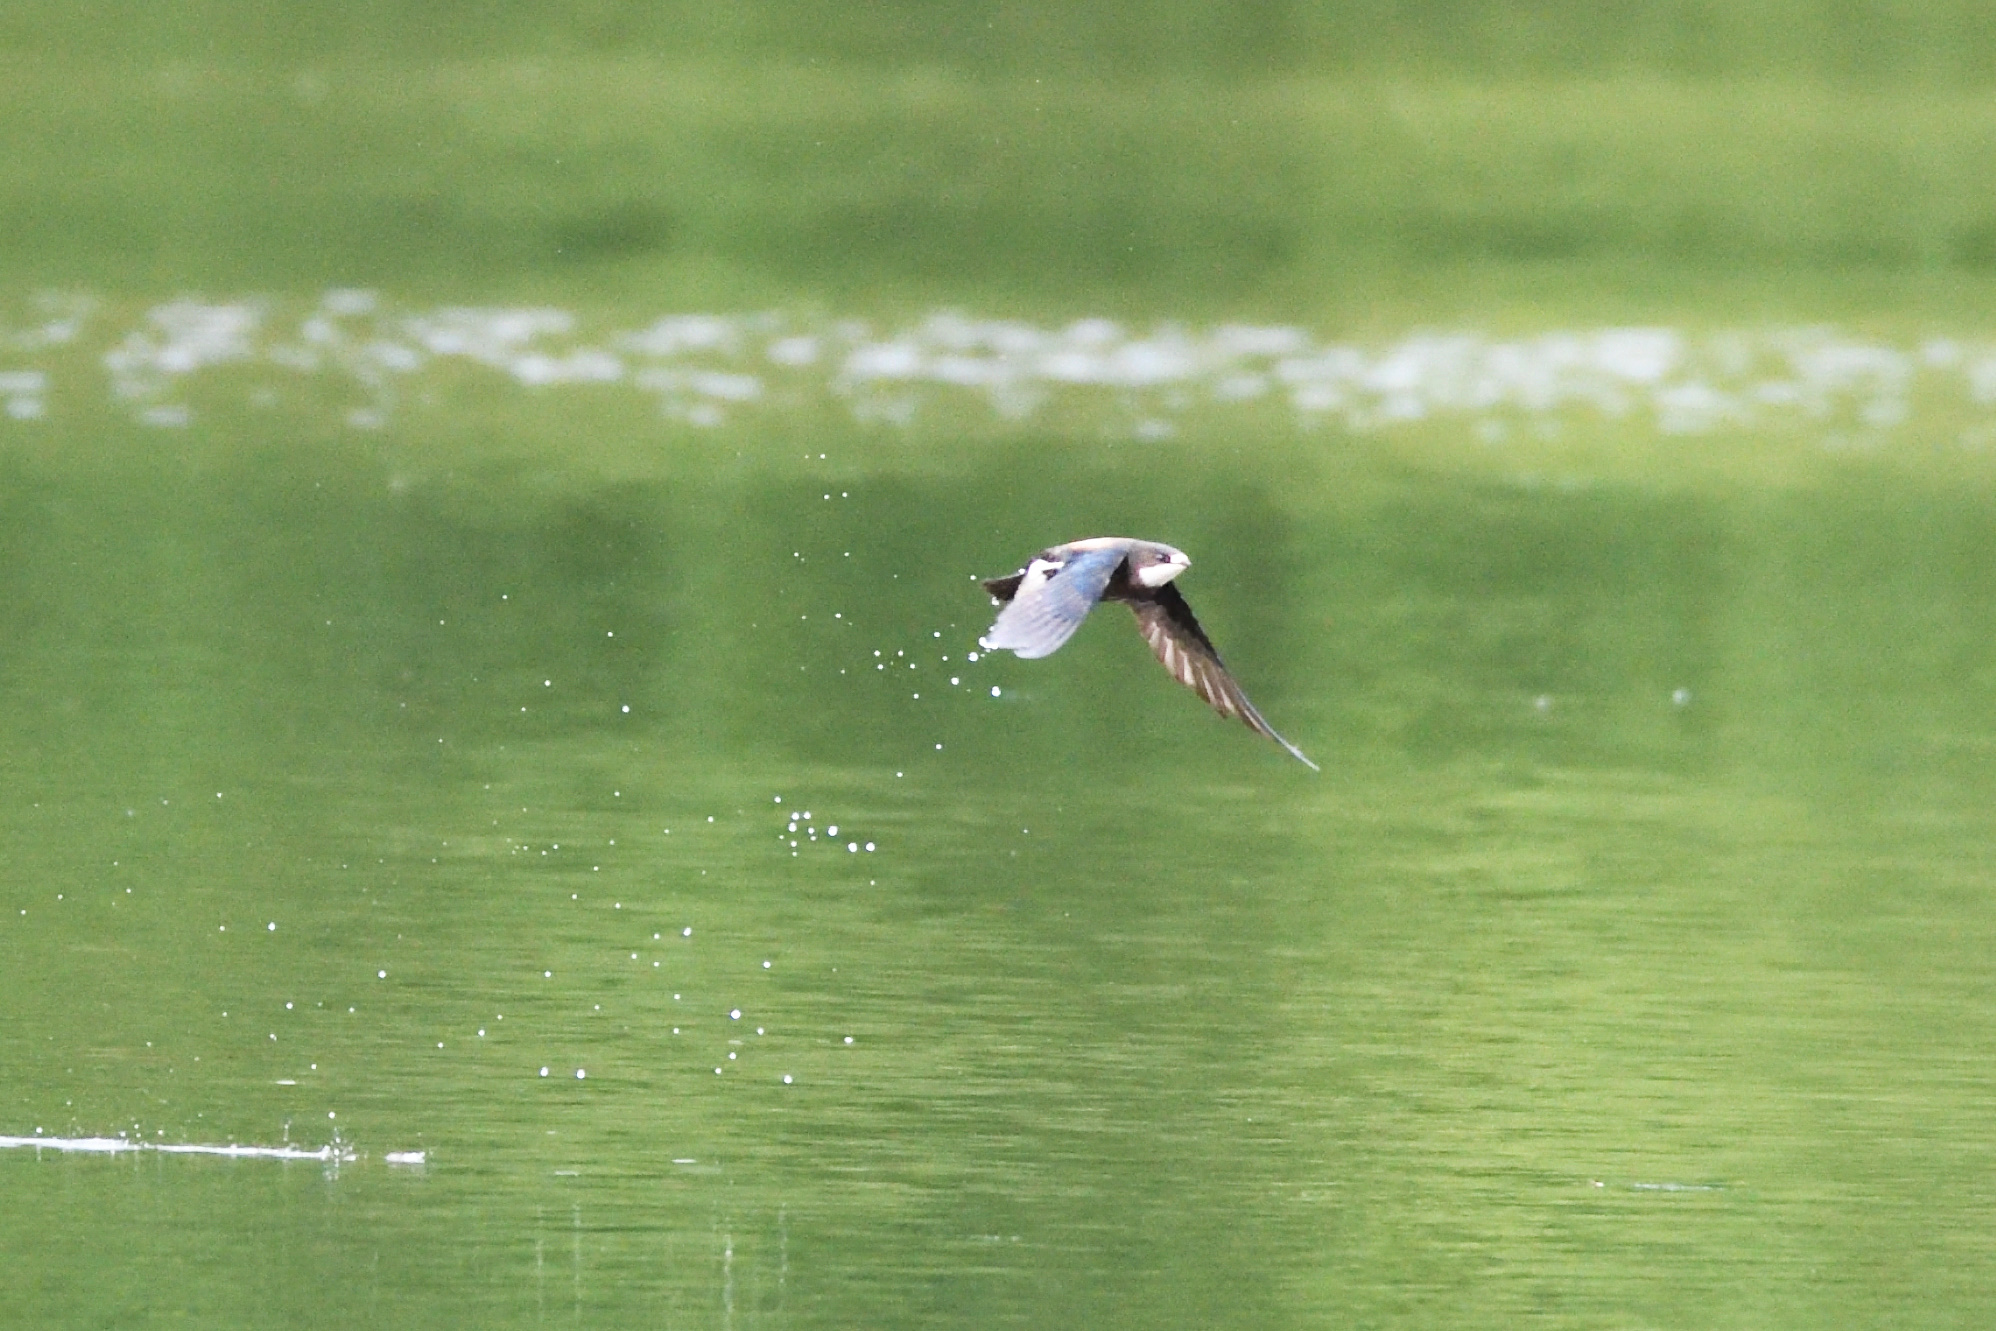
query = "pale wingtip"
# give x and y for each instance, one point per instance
(1259, 723)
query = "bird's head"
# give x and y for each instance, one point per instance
(1155, 565)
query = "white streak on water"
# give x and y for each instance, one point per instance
(705, 369)
(334, 1153)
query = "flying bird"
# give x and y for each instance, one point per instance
(1045, 602)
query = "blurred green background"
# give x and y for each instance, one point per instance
(1346, 161)
(393, 730)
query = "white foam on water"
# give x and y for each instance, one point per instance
(233, 1150)
(706, 368)
(332, 1153)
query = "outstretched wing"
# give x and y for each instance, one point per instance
(1174, 634)
(1050, 601)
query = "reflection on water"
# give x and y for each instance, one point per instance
(704, 369)
(649, 852)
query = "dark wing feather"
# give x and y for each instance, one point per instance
(1005, 588)
(1174, 634)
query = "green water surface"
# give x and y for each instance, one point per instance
(434, 764)
(1627, 965)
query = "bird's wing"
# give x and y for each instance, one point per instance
(1005, 588)
(1173, 633)
(1050, 602)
